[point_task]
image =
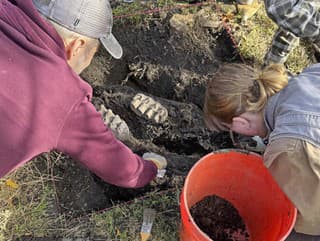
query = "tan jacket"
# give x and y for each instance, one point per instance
(295, 165)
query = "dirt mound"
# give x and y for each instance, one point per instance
(169, 59)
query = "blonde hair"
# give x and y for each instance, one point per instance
(238, 88)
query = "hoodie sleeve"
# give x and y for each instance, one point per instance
(86, 139)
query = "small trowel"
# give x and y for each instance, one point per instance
(148, 218)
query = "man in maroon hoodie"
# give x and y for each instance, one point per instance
(44, 104)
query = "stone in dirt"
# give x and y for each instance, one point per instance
(219, 219)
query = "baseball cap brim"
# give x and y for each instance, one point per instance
(112, 45)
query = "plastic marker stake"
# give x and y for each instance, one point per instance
(148, 218)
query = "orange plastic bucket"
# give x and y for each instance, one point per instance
(242, 179)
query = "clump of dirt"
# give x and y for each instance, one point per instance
(219, 219)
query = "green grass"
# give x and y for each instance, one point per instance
(28, 210)
(123, 222)
(137, 13)
(128, 9)
(255, 40)
(24, 210)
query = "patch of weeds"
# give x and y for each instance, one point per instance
(26, 208)
(4, 218)
(166, 3)
(123, 222)
(126, 13)
(29, 219)
(299, 58)
(255, 40)
(139, 12)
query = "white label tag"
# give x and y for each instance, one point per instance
(148, 217)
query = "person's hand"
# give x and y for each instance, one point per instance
(158, 160)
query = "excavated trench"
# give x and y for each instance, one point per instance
(169, 59)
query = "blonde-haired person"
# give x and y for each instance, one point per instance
(284, 112)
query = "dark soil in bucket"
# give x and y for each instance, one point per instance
(219, 219)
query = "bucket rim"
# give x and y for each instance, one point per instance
(223, 151)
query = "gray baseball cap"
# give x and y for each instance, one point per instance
(91, 18)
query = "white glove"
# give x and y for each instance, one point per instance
(158, 160)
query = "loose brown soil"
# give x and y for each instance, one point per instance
(219, 219)
(170, 59)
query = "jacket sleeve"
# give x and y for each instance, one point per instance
(86, 139)
(301, 17)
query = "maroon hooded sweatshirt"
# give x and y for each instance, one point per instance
(45, 106)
